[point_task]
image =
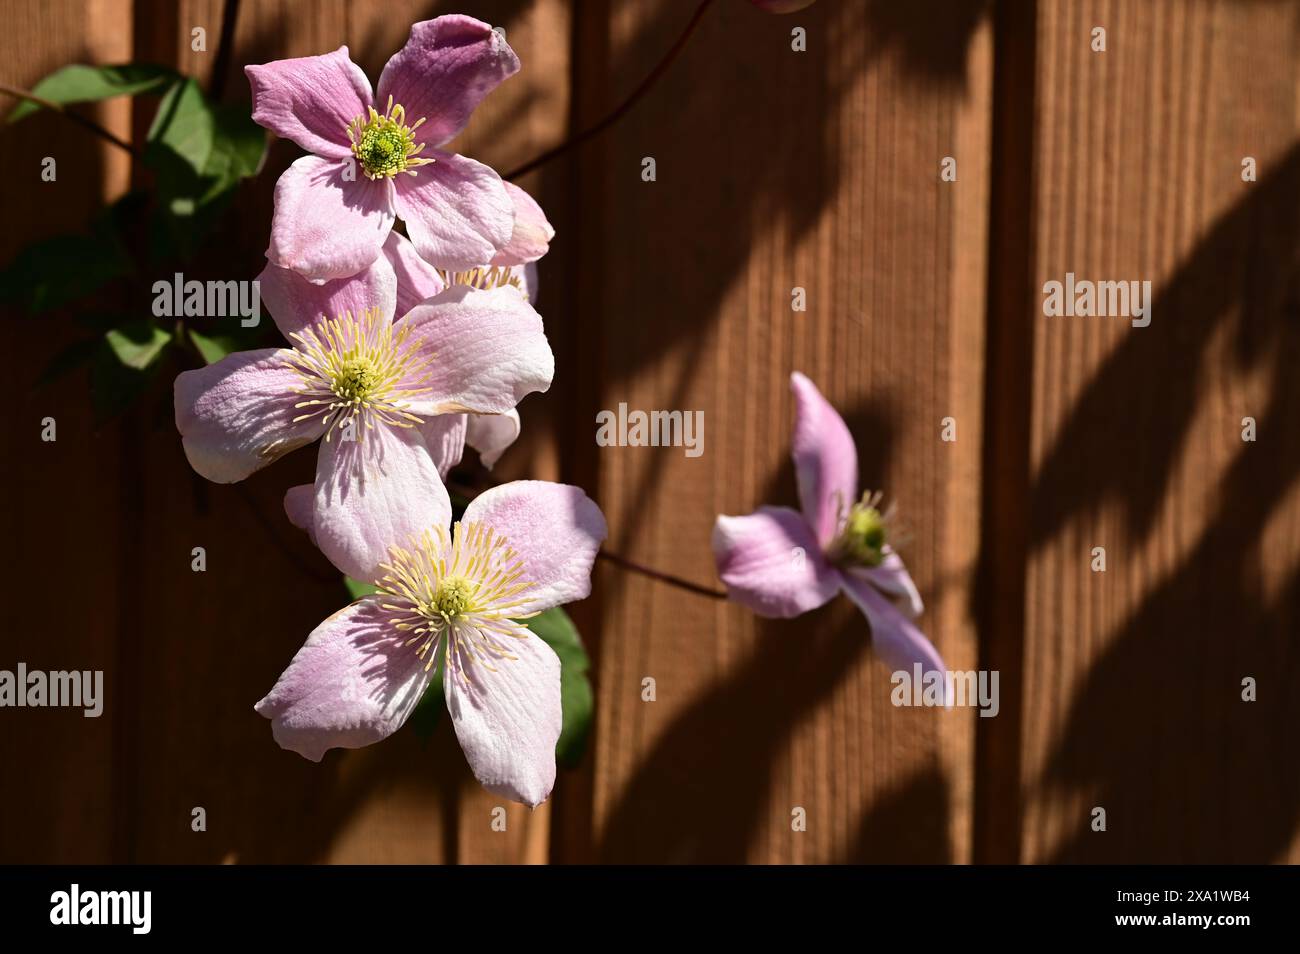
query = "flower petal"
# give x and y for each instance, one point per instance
(443, 72)
(352, 683)
(555, 531)
(892, 579)
(325, 226)
(507, 718)
(299, 504)
(771, 562)
(532, 234)
(311, 100)
(457, 211)
(485, 351)
(444, 435)
(237, 415)
(375, 493)
(491, 434)
(296, 303)
(895, 638)
(417, 280)
(825, 459)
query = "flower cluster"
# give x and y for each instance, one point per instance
(400, 349)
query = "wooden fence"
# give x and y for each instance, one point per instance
(775, 169)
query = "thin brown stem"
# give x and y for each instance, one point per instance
(662, 67)
(225, 49)
(469, 493)
(77, 118)
(619, 560)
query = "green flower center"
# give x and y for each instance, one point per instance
(382, 148)
(453, 596)
(356, 380)
(862, 539)
(384, 144)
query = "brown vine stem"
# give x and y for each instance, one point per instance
(77, 118)
(625, 563)
(662, 67)
(619, 560)
(225, 49)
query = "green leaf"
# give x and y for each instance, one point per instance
(556, 629)
(56, 271)
(357, 589)
(199, 153)
(84, 84)
(183, 126)
(215, 347)
(238, 148)
(137, 344)
(114, 385)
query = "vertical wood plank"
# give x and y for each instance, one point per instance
(778, 169)
(61, 523)
(1133, 677)
(211, 643)
(1000, 577)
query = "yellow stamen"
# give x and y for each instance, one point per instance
(357, 370)
(467, 587)
(863, 534)
(485, 277)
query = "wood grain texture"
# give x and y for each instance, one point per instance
(778, 169)
(61, 524)
(775, 169)
(1133, 677)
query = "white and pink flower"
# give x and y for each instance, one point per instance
(388, 397)
(417, 280)
(334, 208)
(782, 563)
(455, 597)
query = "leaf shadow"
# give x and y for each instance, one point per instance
(1157, 732)
(763, 177)
(700, 794)
(907, 825)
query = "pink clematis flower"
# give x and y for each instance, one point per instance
(782, 563)
(489, 434)
(531, 236)
(417, 281)
(334, 208)
(520, 548)
(387, 397)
